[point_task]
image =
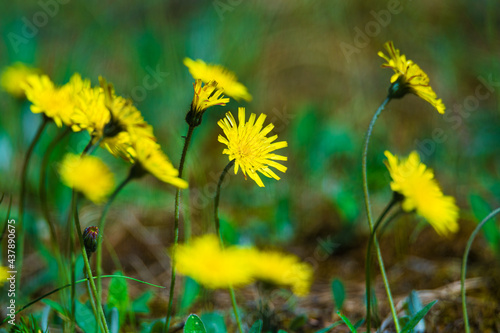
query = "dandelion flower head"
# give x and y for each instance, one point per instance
(151, 158)
(88, 175)
(13, 78)
(421, 192)
(57, 103)
(224, 78)
(207, 263)
(248, 145)
(283, 270)
(409, 77)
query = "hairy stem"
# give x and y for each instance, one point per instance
(176, 229)
(219, 234)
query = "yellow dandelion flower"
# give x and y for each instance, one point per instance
(13, 78)
(224, 78)
(111, 119)
(88, 175)
(204, 261)
(248, 145)
(409, 77)
(4, 275)
(150, 158)
(204, 97)
(283, 270)
(421, 192)
(57, 103)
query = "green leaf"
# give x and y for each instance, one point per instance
(194, 325)
(85, 318)
(338, 292)
(118, 296)
(191, 292)
(414, 306)
(256, 327)
(415, 320)
(214, 322)
(328, 328)
(56, 306)
(347, 322)
(282, 331)
(140, 304)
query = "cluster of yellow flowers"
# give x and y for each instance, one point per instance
(112, 121)
(206, 262)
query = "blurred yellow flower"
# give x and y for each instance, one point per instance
(421, 192)
(88, 175)
(13, 78)
(150, 158)
(248, 145)
(409, 77)
(3, 275)
(57, 103)
(282, 269)
(204, 261)
(224, 78)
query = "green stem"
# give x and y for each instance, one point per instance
(102, 221)
(363, 163)
(463, 270)
(176, 229)
(368, 205)
(368, 259)
(219, 234)
(73, 263)
(22, 195)
(235, 309)
(88, 270)
(92, 302)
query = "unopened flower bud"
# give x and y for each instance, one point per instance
(90, 239)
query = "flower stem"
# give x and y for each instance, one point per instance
(369, 212)
(176, 229)
(368, 260)
(463, 270)
(102, 221)
(73, 262)
(219, 234)
(88, 270)
(22, 195)
(363, 163)
(235, 309)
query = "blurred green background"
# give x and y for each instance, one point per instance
(311, 66)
